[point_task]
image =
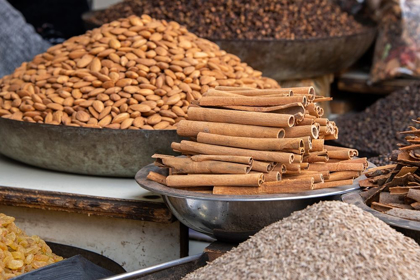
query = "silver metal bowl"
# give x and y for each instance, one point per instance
(301, 58)
(234, 218)
(91, 151)
(407, 227)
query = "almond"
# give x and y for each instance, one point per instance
(154, 119)
(120, 118)
(82, 116)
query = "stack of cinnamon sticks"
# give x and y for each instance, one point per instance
(395, 189)
(258, 141)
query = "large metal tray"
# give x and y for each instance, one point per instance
(407, 227)
(91, 151)
(234, 218)
(293, 59)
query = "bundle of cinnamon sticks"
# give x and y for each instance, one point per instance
(395, 189)
(258, 141)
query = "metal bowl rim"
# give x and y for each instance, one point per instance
(355, 199)
(176, 193)
(46, 126)
(367, 30)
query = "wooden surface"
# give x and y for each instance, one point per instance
(358, 81)
(25, 186)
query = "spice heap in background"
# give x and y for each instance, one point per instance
(328, 240)
(21, 253)
(395, 189)
(253, 19)
(246, 140)
(396, 52)
(376, 129)
(135, 73)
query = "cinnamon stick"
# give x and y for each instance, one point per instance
(230, 88)
(220, 93)
(325, 174)
(291, 108)
(343, 154)
(197, 180)
(288, 186)
(237, 159)
(298, 159)
(186, 165)
(301, 131)
(404, 213)
(264, 144)
(402, 190)
(258, 92)
(308, 91)
(343, 175)
(317, 145)
(208, 190)
(240, 117)
(304, 165)
(333, 184)
(271, 176)
(381, 207)
(322, 121)
(192, 128)
(317, 157)
(250, 101)
(353, 160)
(189, 146)
(156, 177)
(414, 194)
(307, 120)
(291, 167)
(318, 177)
(232, 190)
(262, 166)
(338, 166)
(307, 142)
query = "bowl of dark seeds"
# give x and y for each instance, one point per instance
(283, 39)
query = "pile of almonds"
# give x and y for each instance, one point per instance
(134, 73)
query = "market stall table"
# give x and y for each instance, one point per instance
(110, 216)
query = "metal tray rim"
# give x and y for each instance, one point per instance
(171, 192)
(355, 199)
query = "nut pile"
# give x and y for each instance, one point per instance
(278, 19)
(376, 130)
(328, 240)
(20, 253)
(130, 74)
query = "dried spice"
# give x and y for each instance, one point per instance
(376, 129)
(226, 19)
(396, 188)
(397, 46)
(383, 159)
(290, 156)
(328, 240)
